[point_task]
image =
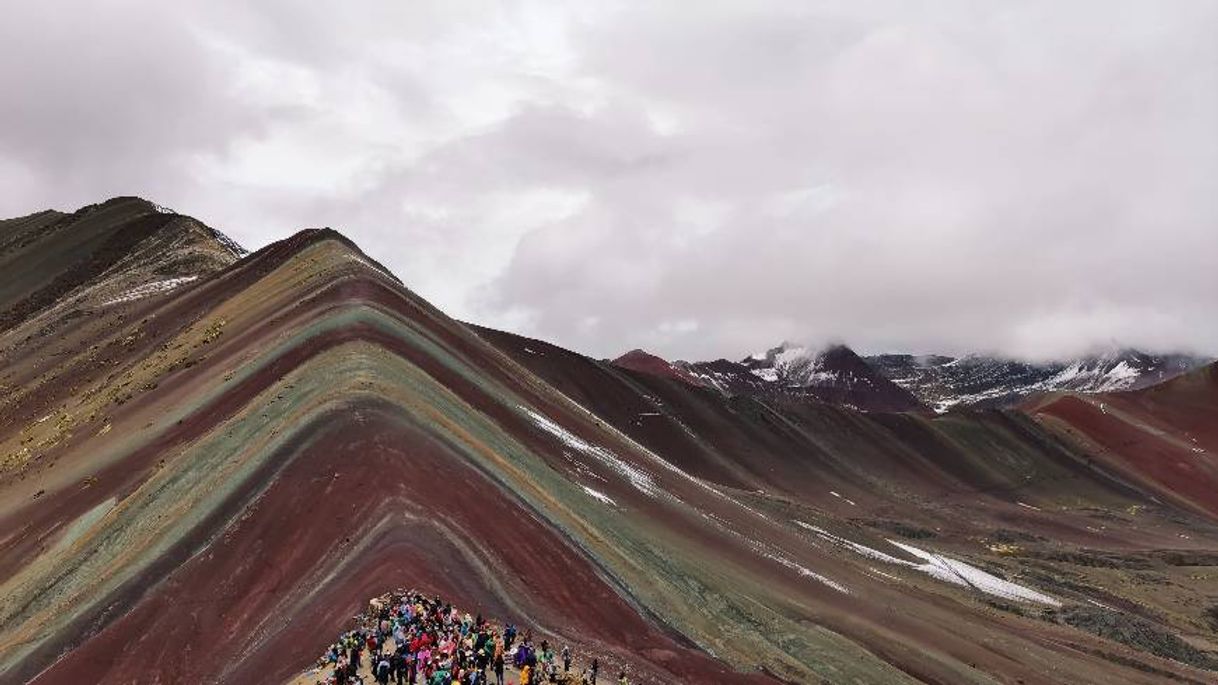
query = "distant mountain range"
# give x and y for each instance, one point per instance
(944, 382)
(905, 382)
(835, 375)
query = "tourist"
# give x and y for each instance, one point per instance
(413, 639)
(498, 663)
(382, 670)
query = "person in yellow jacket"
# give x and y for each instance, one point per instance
(526, 675)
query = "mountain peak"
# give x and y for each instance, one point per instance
(643, 361)
(833, 374)
(115, 251)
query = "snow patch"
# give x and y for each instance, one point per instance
(850, 501)
(855, 547)
(942, 568)
(637, 477)
(880, 573)
(1120, 376)
(599, 496)
(959, 573)
(803, 570)
(151, 289)
(769, 374)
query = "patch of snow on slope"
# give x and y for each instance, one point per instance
(1067, 375)
(657, 459)
(835, 494)
(637, 477)
(151, 289)
(855, 547)
(1119, 377)
(665, 465)
(802, 570)
(959, 573)
(768, 374)
(229, 244)
(599, 496)
(942, 568)
(1090, 376)
(820, 377)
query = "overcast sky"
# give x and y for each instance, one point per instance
(700, 179)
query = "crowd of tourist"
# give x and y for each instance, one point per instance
(406, 637)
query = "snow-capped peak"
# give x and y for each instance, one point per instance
(996, 381)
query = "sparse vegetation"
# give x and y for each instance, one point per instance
(1135, 632)
(905, 530)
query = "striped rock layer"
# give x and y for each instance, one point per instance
(203, 481)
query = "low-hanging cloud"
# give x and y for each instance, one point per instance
(1032, 178)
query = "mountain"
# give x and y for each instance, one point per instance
(904, 382)
(835, 375)
(728, 377)
(1162, 437)
(204, 484)
(58, 265)
(945, 382)
(645, 362)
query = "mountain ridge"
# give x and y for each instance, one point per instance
(101, 252)
(907, 382)
(978, 380)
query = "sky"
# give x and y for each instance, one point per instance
(1038, 179)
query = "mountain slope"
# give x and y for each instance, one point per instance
(122, 248)
(324, 378)
(943, 482)
(728, 377)
(1163, 437)
(222, 473)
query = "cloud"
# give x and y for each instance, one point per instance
(97, 102)
(1033, 179)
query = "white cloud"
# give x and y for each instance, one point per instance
(1034, 178)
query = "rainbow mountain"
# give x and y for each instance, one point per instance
(209, 460)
